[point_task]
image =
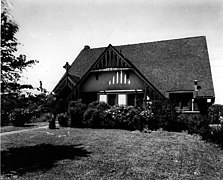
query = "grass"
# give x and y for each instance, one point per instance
(69, 153)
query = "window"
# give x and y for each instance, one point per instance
(122, 99)
(103, 98)
(182, 100)
(113, 99)
(126, 99)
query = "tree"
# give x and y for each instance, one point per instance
(11, 66)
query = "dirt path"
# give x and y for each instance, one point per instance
(23, 130)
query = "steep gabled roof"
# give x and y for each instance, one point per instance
(72, 82)
(170, 65)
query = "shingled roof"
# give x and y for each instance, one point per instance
(170, 65)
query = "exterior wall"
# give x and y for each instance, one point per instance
(109, 80)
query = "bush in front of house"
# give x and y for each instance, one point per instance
(101, 115)
(124, 117)
(99, 105)
(63, 119)
(165, 114)
(217, 136)
(215, 131)
(76, 111)
(148, 120)
(20, 116)
(133, 118)
(199, 124)
(44, 117)
(194, 124)
(95, 115)
(214, 113)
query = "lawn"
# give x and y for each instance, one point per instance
(69, 153)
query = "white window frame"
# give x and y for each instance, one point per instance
(122, 99)
(103, 98)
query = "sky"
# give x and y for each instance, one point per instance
(55, 31)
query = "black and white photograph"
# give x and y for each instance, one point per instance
(111, 89)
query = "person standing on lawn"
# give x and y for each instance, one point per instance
(56, 108)
(52, 103)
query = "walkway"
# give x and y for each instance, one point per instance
(23, 130)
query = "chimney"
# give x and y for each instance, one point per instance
(195, 88)
(86, 47)
(195, 85)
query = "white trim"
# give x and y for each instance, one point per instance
(113, 80)
(125, 78)
(110, 69)
(190, 112)
(117, 77)
(208, 100)
(128, 90)
(121, 77)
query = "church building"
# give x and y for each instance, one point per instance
(136, 74)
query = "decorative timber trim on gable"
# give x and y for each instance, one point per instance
(71, 83)
(112, 60)
(120, 78)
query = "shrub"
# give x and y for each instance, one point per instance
(215, 132)
(165, 114)
(215, 112)
(7, 105)
(29, 105)
(148, 120)
(93, 118)
(216, 135)
(76, 111)
(101, 115)
(20, 116)
(63, 119)
(5, 120)
(95, 115)
(124, 117)
(197, 124)
(133, 118)
(194, 124)
(99, 105)
(45, 117)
